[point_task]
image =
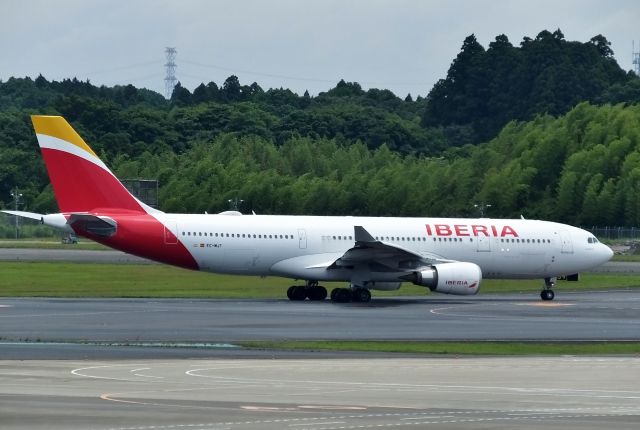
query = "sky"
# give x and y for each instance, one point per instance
(401, 45)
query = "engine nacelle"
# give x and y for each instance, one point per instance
(461, 279)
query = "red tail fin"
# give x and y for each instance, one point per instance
(81, 181)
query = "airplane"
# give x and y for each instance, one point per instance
(445, 255)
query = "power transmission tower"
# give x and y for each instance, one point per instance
(635, 58)
(170, 79)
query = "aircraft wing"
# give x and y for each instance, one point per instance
(368, 250)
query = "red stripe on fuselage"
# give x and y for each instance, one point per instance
(144, 236)
(81, 186)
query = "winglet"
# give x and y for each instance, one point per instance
(362, 235)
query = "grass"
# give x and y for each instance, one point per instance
(54, 279)
(455, 348)
(626, 257)
(50, 244)
(50, 279)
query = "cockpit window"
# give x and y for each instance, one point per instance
(592, 240)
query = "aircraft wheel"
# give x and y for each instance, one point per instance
(317, 293)
(297, 293)
(361, 295)
(547, 295)
(341, 295)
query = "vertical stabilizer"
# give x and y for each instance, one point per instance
(81, 181)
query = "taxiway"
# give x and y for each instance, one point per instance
(611, 315)
(527, 393)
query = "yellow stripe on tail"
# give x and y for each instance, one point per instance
(57, 126)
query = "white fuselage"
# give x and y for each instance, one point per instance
(294, 246)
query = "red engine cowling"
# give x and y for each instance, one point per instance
(461, 279)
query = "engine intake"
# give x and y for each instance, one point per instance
(450, 278)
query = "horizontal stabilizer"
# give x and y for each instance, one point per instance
(30, 215)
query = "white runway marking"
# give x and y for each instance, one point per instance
(136, 372)
(261, 389)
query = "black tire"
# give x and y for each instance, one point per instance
(298, 293)
(317, 293)
(290, 292)
(547, 295)
(361, 295)
(341, 295)
(334, 293)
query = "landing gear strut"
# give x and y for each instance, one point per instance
(547, 293)
(311, 290)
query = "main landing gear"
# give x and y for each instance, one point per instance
(346, 295)
(311, 290)
(547, 293)
(315, 292)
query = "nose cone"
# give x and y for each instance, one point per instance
(605, 253)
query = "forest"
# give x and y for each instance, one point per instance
(548, 129)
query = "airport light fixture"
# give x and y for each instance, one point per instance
(481, 207)
(17, 197)
(234, 204)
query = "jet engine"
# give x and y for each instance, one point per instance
(459, 278)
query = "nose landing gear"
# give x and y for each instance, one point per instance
(547, 293)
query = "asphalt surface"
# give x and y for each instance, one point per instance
(75, 255)
(488, 393)
(80, 363)
(613, 315)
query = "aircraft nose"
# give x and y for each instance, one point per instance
(606, 252)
